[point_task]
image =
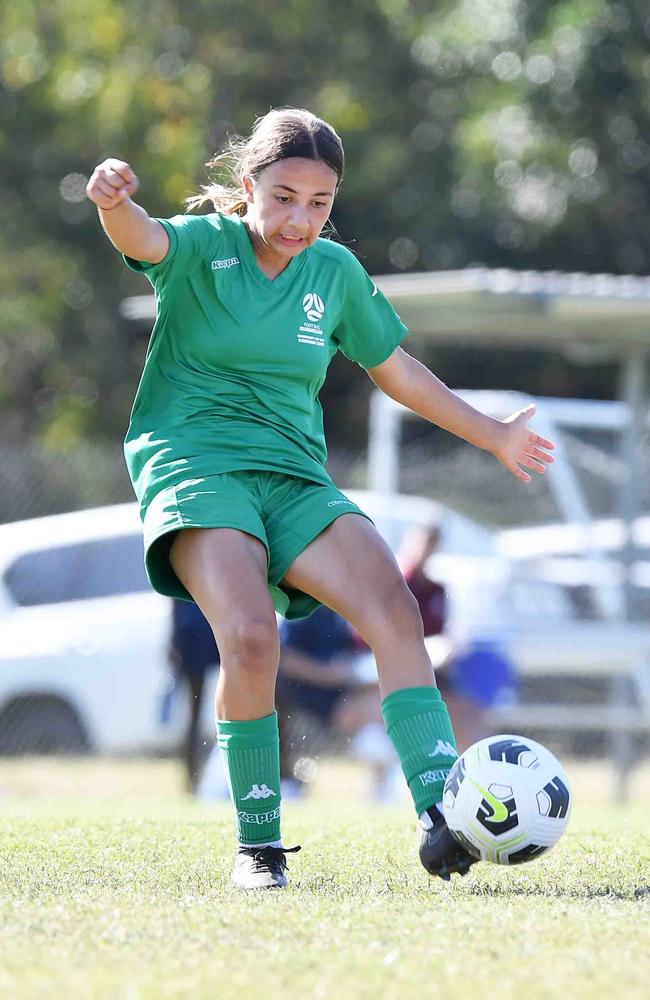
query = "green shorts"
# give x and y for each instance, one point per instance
(285, 513)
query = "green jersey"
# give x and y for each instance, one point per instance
(236, 360)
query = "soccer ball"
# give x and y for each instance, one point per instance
(507, 800)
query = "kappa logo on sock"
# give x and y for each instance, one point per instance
(259, 818)
(260, 792)
(443, 749)
(433, 777)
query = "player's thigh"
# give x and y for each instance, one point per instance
(350, 568)
(225, 571)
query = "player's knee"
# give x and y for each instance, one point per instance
(397, 613)
(251, 644)
(404, 613)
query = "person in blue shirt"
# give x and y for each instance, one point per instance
(321, 680)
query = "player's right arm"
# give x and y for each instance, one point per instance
(129, 228)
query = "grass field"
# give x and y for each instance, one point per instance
(112, 885)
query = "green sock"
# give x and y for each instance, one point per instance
(419, 726)
(251, 751)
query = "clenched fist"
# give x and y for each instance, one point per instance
(112, 182)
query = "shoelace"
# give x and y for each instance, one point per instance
(272, 859)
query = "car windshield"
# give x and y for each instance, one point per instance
(79, 571)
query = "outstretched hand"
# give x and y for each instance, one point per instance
(519, 446)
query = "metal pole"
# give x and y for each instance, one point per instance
(633, 392)
(572, 502)
(383, 457)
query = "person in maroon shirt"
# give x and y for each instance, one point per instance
(419, 545)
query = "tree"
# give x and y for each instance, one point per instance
(484, 130)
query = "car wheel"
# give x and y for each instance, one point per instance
(41, 724)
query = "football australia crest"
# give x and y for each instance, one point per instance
(313, 306)
(310, 332)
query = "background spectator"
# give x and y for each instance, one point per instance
(192, 653)
(325, 691)
(472, 674)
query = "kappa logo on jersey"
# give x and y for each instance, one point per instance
(259, 792)
(313, 306)
(310, 332)
(443, 749)
(220, 265)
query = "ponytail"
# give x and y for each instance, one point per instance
(228, 198)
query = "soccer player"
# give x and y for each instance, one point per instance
(226, 452)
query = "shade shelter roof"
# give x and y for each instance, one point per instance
(560, 311)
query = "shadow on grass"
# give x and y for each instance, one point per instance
(408, 886)
(633, 894)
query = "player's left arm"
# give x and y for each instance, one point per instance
(515, 445)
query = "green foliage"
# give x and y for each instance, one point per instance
(476, 130)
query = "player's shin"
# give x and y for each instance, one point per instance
(251, 751)
(418, 723)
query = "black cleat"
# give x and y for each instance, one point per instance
(261, 867)
(440, 852)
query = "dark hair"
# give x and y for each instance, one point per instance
(278, 135)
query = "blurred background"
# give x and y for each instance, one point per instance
(497, 183)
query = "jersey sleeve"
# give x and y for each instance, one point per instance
(189, 236)
(369, 329)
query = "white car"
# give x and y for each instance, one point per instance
(83, 637)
